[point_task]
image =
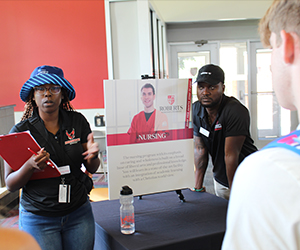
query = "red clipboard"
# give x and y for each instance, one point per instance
(14, 149)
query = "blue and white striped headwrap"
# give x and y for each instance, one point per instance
(46, 75)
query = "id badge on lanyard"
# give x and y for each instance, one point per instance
(64, 193)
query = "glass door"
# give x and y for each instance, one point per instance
(187, 59)
(234, 62)
(268, 119)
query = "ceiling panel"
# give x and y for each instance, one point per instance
(174, 11)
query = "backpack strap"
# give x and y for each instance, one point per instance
(290, 141)
(35, 122)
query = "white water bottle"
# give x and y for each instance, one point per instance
(127, 211)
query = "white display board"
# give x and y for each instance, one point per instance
(149, 157)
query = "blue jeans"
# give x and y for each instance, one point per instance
(75, 231)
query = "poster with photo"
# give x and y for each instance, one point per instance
(149, 135)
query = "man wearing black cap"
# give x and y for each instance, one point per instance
(221, 129)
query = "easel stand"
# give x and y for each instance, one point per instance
(180, 195)
(144, 77)
(178, 192)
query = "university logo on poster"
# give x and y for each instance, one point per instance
(171, 99)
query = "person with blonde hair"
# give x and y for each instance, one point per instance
(264, 206)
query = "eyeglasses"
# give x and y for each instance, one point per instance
(41, 90)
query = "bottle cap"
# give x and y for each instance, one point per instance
(126, 190)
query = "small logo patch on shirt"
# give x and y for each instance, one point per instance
(218, 126)
(71, 137)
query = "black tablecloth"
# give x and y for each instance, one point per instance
(163, 222)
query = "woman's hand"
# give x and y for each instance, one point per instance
(40, 160)
(91, 154)
(17, 179)
(92, 148)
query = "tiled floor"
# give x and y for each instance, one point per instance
(99, 194)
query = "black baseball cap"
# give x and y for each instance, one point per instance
(211, 74)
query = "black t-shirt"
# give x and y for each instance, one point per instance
(232, 120)
(147, 115)
(41, 196)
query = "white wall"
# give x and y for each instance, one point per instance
(130, 38)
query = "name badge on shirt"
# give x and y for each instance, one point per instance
(64, 169)
(203, 131)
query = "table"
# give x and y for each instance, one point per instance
(162, 221)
